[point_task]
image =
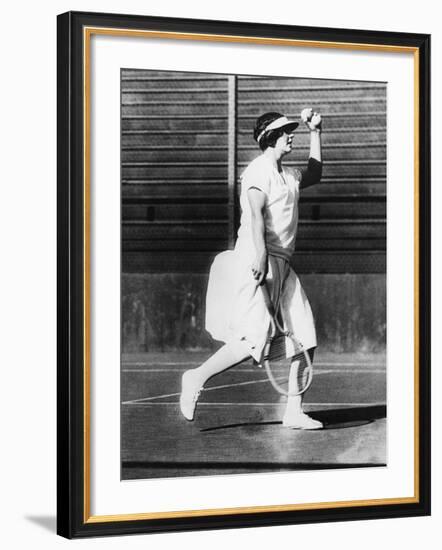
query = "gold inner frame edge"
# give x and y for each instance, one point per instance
(87, 33)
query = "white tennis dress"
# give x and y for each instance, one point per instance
(235, 307)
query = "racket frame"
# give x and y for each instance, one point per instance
(275, 331)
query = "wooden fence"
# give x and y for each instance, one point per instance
(186, 138)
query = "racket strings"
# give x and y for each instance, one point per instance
(290, 375)
(278, 348)
(297, 368)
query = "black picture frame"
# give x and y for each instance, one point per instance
(74, 518)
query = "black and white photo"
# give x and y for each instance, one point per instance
(276, 187)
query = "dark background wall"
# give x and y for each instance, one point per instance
(186, 139)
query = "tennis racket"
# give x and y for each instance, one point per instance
(275, 359)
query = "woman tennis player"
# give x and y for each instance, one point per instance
(236, 312)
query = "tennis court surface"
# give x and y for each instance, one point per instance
(237, 428)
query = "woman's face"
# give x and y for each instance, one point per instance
(284, 143)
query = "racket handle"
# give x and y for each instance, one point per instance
(271, 309)
(267, 300)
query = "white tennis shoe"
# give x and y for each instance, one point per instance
(190, 391)
(301, 421)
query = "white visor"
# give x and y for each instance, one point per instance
(278, 123)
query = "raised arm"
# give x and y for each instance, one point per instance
(312, 174)
(257, 204)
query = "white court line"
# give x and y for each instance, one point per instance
(142, 399)
(257, 369)
(197, 363)
(223, 386)
(274, 404)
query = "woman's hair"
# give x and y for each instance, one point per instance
(271, 137)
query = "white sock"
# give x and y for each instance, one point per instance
(294, 402)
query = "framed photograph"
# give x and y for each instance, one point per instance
(243, 274)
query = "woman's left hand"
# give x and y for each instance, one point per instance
(311, 119)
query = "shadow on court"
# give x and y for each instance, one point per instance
(238, 429)
(332, 419)
(351, 417)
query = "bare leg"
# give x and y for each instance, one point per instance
(294, 416)
(193, 380)
(226, 357)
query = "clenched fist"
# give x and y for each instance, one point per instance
(311, 119)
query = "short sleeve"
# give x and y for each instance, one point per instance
(255, 175)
